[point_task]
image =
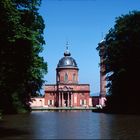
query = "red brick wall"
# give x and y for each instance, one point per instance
(49, 96)
(81, 96)
(70, 72)
(81, 92)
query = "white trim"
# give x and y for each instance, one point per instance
(85, 102)
(48, 102)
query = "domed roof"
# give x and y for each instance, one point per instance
(67, 61)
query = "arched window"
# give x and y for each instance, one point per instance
(58, 77)
(74, 77)
(66, 77)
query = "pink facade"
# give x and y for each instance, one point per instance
(37, 102)
(67, 95)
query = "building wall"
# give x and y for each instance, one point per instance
(50, 99)
(82, 99)
(45, 102)
(76, 87)
(37, 102)
(71, 73)
(95, 100)
(80, 94)
(90, 102)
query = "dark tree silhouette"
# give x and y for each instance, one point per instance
(122, 59)
(21, 67)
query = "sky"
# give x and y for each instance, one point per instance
(83, 23)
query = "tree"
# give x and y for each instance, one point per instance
(122, 60)
(21, 67)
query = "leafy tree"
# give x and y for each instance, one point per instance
(122, 60)
(21, 67)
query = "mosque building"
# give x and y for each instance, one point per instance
(67, 92)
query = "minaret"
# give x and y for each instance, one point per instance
(102, 74)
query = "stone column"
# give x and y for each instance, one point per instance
(75, 99)
(59, 99)
(68, 100)
(62, 99)
(71, 99)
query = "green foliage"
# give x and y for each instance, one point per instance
(21, 67)
(122, 61)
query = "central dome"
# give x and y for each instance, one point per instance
(67, 61)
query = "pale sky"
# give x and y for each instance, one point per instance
(81, 23)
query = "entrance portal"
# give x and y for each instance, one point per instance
(66, 99)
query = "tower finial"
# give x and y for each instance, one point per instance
(67, 53)
(67, 47)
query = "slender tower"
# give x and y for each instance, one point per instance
(102, 74)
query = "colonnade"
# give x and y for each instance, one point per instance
(66, 101)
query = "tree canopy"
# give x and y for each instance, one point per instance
(122, 60)
(21, 66)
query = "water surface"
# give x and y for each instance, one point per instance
(70, 125)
